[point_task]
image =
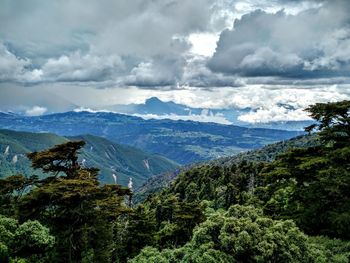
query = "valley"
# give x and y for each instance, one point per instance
(181, 141)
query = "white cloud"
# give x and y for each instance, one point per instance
(203, 44)
(155, 43)
(66, 96)
(139, 28)
(312, 43)
(36, 111)
(162, 71)
(194, 117)
(10, 65)
(274, 114)
(13, 68)
(197, 74)
(273, 61)
(265, 97)
(205, 116)
(78, 67)
(105, 52)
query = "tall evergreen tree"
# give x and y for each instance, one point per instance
(312, 185)
(79, 211)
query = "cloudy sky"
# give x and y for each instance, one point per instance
(61, 54)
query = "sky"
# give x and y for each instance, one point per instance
(59, 55)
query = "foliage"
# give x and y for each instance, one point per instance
(270, 152)
(335, 250)
(134, 231)
(265, 154)
(79, 211)
(333, 121)
(62, 158)
(225, 186)
(11, 190)
(163, 221)
(311, 185)
(30, 240)
(75, 205)
(315, 183)
(241, 234)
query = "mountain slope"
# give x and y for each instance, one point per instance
(14, 146)
(267, 153)
(111, 158)
(182, 141)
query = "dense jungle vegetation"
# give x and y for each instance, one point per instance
(293, 209)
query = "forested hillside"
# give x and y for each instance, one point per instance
(267, 153)
(111, 158)
(295, 208)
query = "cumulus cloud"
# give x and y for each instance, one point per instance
(194, 117)
(138, 27)
(266, 97)
(274, 114)
(281, 103)
(197, 74)
(161, 71)
(95, 53)
(160, 43)
(78, 67)
(36, 111)
(13, 68)
(312, 43)
(121, 41)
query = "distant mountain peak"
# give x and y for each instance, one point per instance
(154, 100)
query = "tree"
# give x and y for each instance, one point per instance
(12, 189)
(30, 240)
(311, 185)
(62, 158)
(134, 231)
(80, 212)
(333, 121)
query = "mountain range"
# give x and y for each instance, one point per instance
(183, 142)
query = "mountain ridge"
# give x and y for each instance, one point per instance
(181, 141)
(111, 158)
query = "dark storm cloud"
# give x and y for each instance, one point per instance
(313, 43)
